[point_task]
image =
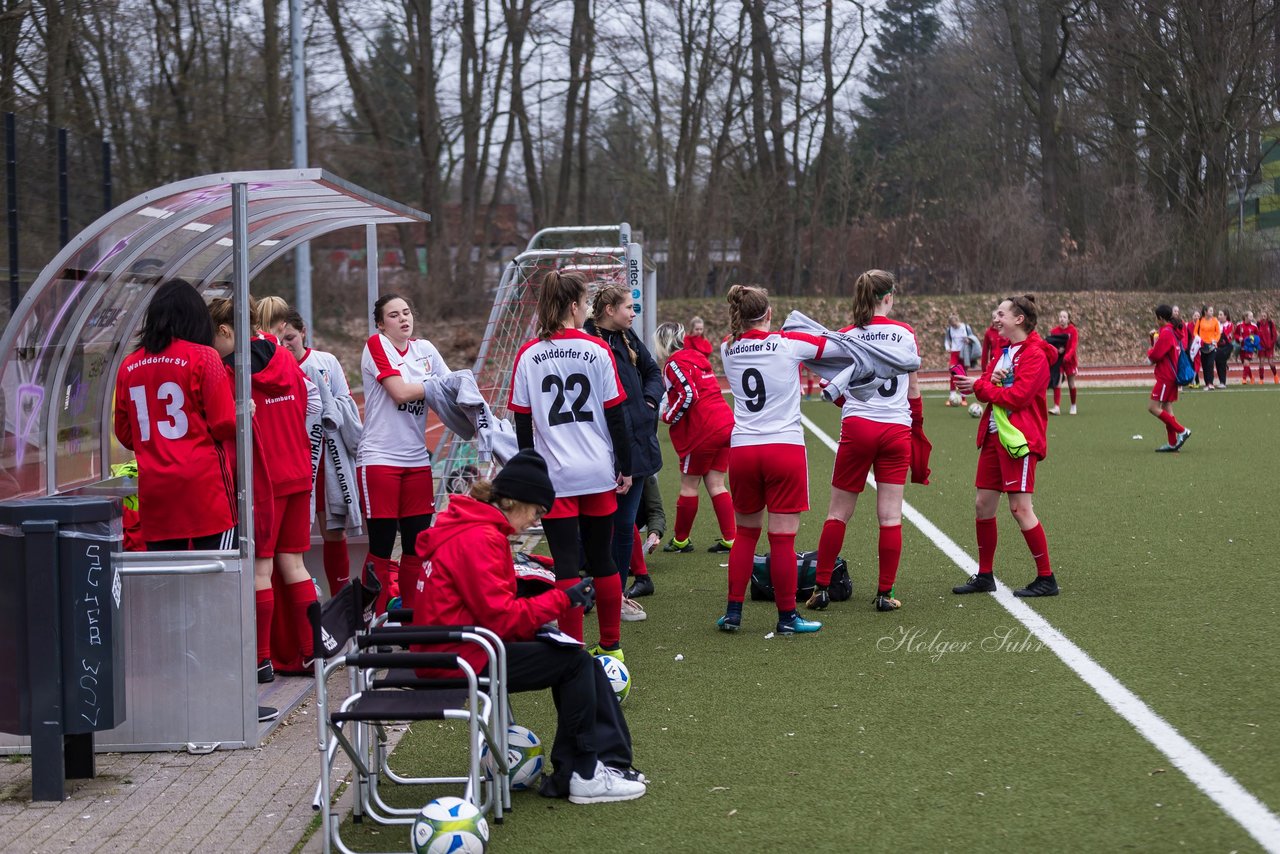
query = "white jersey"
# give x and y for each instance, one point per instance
(955, 337)
(395, 433)
(323, 367)
(566, 383)
(889, 404)
(763, 369)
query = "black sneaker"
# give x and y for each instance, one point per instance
(729, 622)
(886, 602)
(983, 582)
(1043, 585)
(720, 547)
(266, 673)
(267, 713)
(641, 585)
(1182, 439)
(820, 599)
(683, 548)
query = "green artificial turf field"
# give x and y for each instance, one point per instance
(853, 740)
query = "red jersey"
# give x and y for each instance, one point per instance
(1267, 334)
(1164, 355)
(696, 410)
(1022, 396)
(468, 579)
(1073, 338)
(280, 418)
(992, 342)
(174, 410)
(1243, 330)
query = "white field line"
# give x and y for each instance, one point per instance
(1236, 801)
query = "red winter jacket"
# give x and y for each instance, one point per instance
(696, 410)
(280, 417)
(468, 579)
(1164, 354)
(699, 343)
(1024, 400)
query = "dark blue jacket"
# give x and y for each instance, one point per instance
(643, 384)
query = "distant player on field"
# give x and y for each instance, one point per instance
(1164, 353)
(1010, 447)
(1246, 335)
(768, 468)
(1070, 361)
(1266, 347)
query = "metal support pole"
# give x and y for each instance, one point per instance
(302, 255)
(11, 178)
(244, 435)
(371, 271)
(64, 205)
(44, 664)
(1240, 230)
(106, 176)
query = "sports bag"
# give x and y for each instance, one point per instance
(1186, 371)
(840, 589)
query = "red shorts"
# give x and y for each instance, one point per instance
(773, 477)
(290, 529)
(864, 443)
(1000, 472)
(1246, 357)
(705, 460)
(594, 504)
(1070, 369)
(1267, 355)
(393, 492)
(1164, 392)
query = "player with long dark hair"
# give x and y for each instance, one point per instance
(396, 489)
(768, 469)
(566, 396)
(1166, 346)
(1011, 441)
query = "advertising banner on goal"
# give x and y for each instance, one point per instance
(635, 275)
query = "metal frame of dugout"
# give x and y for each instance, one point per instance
(189, 631)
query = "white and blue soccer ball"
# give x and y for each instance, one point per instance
(619, 676)
(450, 826)
(525, 758)
(975, 409)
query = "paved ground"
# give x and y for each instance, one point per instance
(228, 800)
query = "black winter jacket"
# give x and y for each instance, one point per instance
(644, 387)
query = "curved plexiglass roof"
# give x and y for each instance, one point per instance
(60, 352)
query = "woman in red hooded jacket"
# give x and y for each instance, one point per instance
(1166, 347)
(701, 423)
(1015, 382)
(469, 579)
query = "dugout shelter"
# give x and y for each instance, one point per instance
(189, 626)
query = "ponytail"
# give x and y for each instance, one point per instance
(667, 338)
(270, 311)
(871, 287)
(748, 304)
(556, 297)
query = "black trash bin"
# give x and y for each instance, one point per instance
(61, 646)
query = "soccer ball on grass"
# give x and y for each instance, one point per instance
(525, 758)
(619, 676)
(975, 409)
(955, 399)
(450, 826)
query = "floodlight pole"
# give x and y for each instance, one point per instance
(302, 255)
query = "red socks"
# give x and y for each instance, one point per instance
(387, 572)
(337, 565)
(410, 578)
(638, 566)
(723, 504)
(986, 545)
(890, 555)
(1057, 396)
(782, 570)
(1072, 392)
(741, 558)
(1171, 423)
(570, 621)
(264, 603)
(609, 609)
(298, 596)
(1039, 549)
(686, 512)
(829, 544)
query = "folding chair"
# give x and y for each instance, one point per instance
(386, 689)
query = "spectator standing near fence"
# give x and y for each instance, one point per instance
(1210, 332)
(1226, 346)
